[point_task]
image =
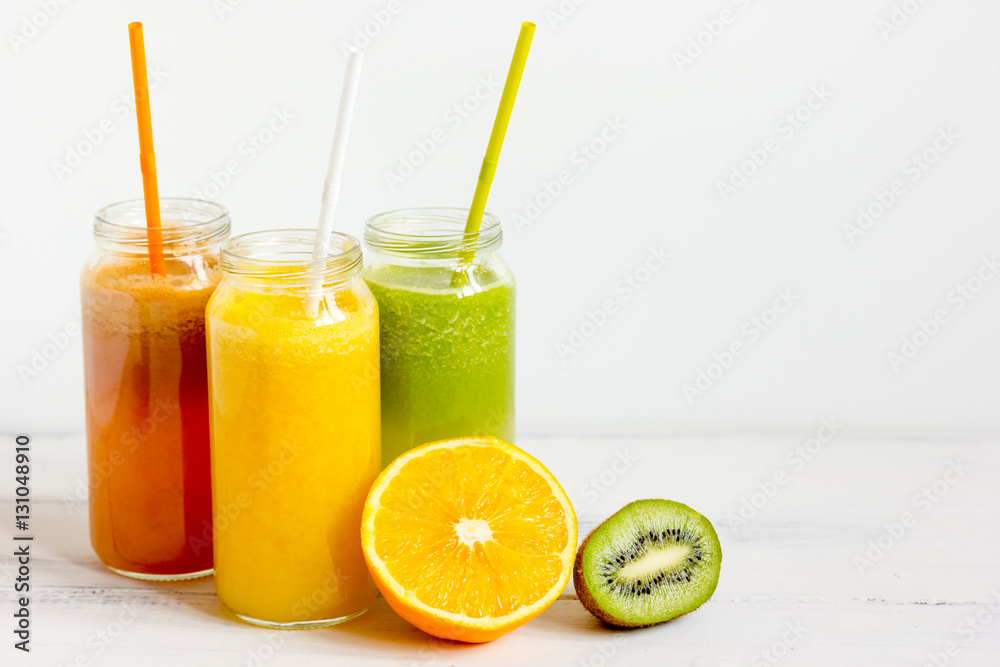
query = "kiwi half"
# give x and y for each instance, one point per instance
(651, 561)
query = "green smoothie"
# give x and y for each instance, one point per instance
(447, 353)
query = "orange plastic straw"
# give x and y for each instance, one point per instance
(147, 160)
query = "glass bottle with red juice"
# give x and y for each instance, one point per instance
(146, 386)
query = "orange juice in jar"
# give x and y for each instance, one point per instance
(295, 429)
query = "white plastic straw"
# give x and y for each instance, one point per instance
(331, 186)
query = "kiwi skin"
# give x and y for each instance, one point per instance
(588, 601)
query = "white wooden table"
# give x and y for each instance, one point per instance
(794, 590)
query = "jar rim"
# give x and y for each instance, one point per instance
(184, 221)
(431, 232)
(286, 254)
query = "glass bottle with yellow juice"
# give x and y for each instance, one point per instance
(294, 395)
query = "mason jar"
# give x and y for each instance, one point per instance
(293, 357)
(146, 388)
(446, 308)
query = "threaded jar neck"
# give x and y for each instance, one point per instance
(188, 226)
(282, 259)
(431, 233)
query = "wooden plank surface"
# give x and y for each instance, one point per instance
(804, 578)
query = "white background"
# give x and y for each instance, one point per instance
(686, 126)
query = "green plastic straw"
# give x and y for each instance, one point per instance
(489, 167)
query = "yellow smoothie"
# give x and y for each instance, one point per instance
(295, 449)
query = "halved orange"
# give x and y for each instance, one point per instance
(468, 538)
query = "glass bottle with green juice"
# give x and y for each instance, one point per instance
(446, 311)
